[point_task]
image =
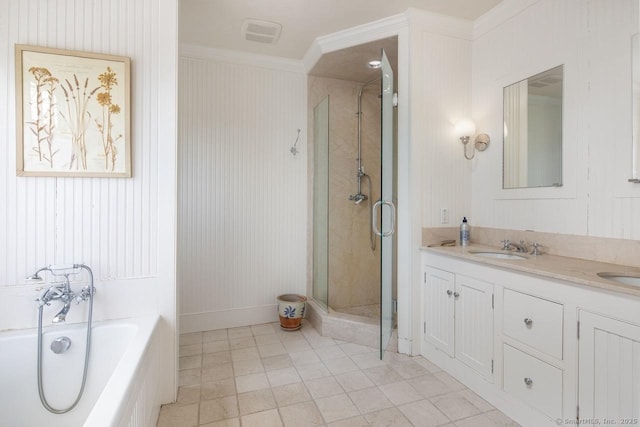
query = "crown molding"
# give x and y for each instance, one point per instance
(242, 58)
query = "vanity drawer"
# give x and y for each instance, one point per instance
(534, 321)
(533, 381)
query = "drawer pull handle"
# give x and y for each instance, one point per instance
(528, 381)
(528, 322)
(456, 295)
(449, 292)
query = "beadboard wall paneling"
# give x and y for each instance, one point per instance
(108, 224)
(242, 194)
(443, 99)
(592, 39)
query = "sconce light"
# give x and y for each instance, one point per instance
(465, 129)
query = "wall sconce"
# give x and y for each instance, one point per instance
(465, 129)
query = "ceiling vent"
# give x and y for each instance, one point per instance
(261, 31)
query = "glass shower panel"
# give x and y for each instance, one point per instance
(387, 208)
(321, 202)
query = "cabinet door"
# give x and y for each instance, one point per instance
(438, 309)
(474, 324)
(609, 370)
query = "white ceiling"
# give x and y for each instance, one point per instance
(218, 23)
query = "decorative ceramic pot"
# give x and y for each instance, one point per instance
(291, 311)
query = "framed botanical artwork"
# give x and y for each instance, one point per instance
(73, 113)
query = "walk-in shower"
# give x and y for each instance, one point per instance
(347, 130)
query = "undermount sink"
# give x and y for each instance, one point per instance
(624, 278)
(498, 255)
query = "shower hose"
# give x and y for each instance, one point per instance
(43, 398)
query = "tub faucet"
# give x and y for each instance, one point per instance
(62, 292)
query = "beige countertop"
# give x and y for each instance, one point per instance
(576, 270)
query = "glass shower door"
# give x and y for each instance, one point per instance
(385, 207)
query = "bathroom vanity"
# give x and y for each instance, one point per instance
(543, 338)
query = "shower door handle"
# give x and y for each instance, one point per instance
(374, 222)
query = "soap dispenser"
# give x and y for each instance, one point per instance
(464, 232)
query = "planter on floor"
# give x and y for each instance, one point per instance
(291, 311)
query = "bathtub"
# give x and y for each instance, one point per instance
(122, 380)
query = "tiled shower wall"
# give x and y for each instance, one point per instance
(242, 193)
(354, 273)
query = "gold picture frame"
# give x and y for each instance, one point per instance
(72, 113)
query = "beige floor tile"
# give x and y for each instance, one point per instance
(358, 421)
(247, 367)
(219, 335)
(454, 406)
(217, 389)
(264, 329)
(451, 382)
(340, 365)
(283, 376)
(217, 372)
(476, 400)
(231, 422)
(245, 354)
(477, 421)
(370, 400)
(338, 407)
(294, 346)
(408, 369)
(270, 418)
(368, 360)
(352, 349)
(501, 419)
(178, 416)
(266, 339)
(330, 352)
(387, 418)
(290, 394)
(190, 350)
(190, 339)
(432, 368)
(352, 381)
(190, 362)
(241, 342)
(323, 387)
(301, 414)
(286, 336)
(218, 409)
(400, 393)
(256, 401)
(251, 382)
(381, 375)
(300, 358)
(429, 386)
(189, 377)
(269, 350)
(188, 395)
(320, 342)
(313, 371)
(276, 362)
(422, 413)
(240, 332)
(215, 346)
(212, 359)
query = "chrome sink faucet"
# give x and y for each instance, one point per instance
(508, 245)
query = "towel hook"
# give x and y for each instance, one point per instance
(294, 150)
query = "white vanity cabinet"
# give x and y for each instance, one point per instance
(459, 318)
(562, 352)
(609, 370)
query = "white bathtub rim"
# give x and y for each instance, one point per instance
(114, 397)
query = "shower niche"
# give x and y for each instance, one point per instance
(353, 264)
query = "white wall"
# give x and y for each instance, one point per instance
(592, 38)
(242, 194)
(123, 228)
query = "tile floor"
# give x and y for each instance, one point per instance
(263, 376)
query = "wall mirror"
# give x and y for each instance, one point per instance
(532, 154)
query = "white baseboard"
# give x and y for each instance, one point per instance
(212, 320)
